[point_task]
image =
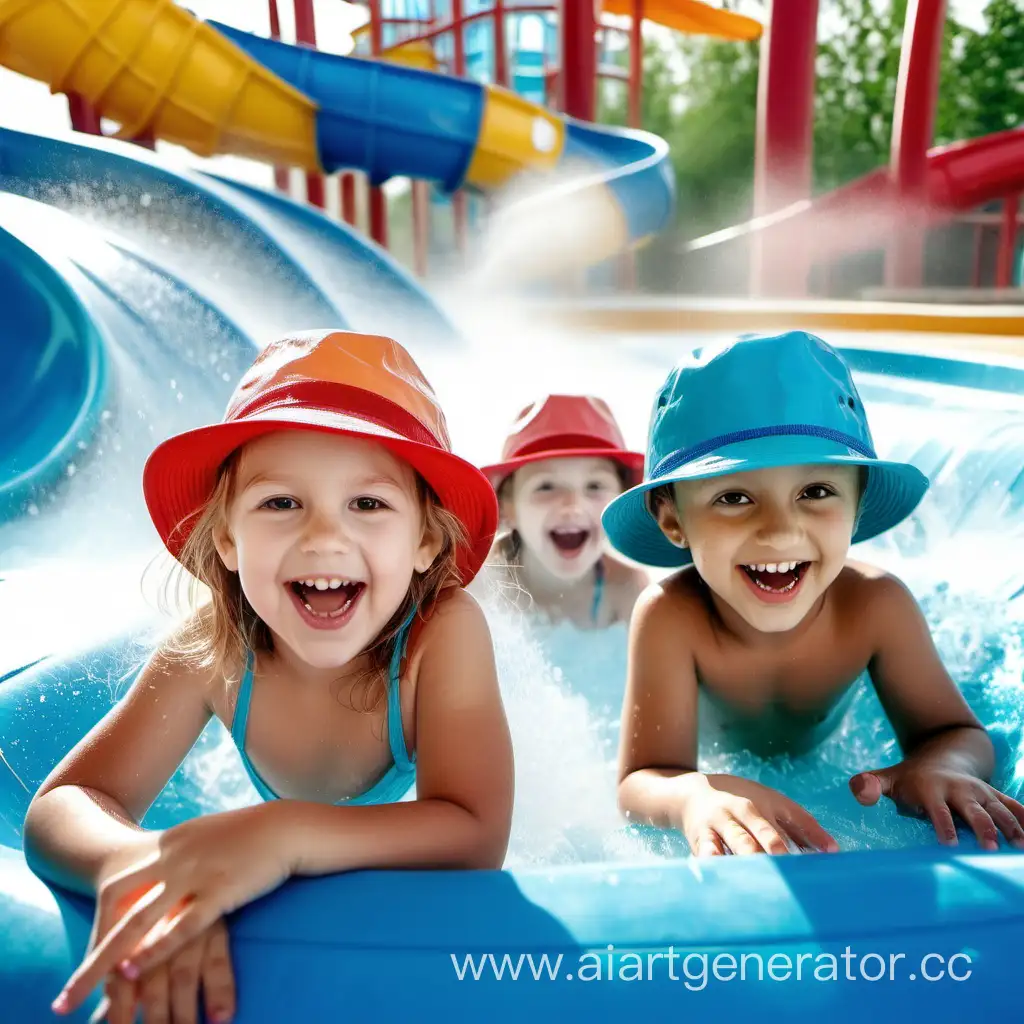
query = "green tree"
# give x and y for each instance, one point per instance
(992, 71)
(857, 71)
(700, 95)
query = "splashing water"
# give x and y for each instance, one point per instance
(562, 688)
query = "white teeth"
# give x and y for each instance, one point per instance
(325, 583)
(329, 615)
(771, 566)
(777, 590)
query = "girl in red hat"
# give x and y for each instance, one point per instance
(563, 461)
(335, 531)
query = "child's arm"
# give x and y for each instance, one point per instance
(462, 814)
(658, 779)
(82, 828)
(947, 753)
(460, 819)
(87, 811)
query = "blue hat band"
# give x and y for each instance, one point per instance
(674, 460)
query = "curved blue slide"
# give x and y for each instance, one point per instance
(108, 254)
(389, 121)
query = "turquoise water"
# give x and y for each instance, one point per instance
(962, 554)
(562, 688)
(575, 677)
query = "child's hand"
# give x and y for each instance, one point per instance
(171, 990)
(196, 872)
(924, 789)
(723, 812)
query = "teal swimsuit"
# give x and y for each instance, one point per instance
(395, 782)
(595, 607)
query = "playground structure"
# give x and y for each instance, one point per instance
(921, 186)
(535, 48)
(558, 55)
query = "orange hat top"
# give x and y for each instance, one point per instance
(341, 382)
(564, 426)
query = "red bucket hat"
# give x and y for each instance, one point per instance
(340, 382)
(564, 427)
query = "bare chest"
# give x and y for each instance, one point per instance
(803, 679)
(314, 745)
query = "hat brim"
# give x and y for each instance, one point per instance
(893, 491)
(633, 461)
(181, 474)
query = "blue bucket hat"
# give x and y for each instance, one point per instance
(757, 403)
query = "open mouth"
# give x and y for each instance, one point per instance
(775, 579)
(569, 541)
(326, 598)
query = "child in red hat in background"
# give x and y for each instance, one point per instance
(335, 532)
(563, 461)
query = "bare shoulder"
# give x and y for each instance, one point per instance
(861, 581)
(672, 602)
(457, 619)
(171, 665)
(875, 595)
(457, 606)
(625, 584)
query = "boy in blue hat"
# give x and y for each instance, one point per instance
(760, 473)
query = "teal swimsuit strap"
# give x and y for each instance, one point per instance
(396, 734)
(595, 608)
(238, 727)
(396, 781)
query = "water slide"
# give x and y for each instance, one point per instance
(151, 66)
(860, 215)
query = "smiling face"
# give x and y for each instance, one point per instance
(769, 542)
(325, 533)
(555, 505)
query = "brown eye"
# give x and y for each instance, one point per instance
(733, 498)
(368, 504)
(816, 492)
(280, 504)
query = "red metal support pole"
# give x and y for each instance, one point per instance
(458, 40)
(579, 59)
(378, 202)
(281, 180)
(913, 127)
(379, 216)
(500, 54)
(636, 65)
(347, 185)
(785, 136)
(305, 32)
(420, 227)
(459, 206)
(1007, 242)
(83, 117)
